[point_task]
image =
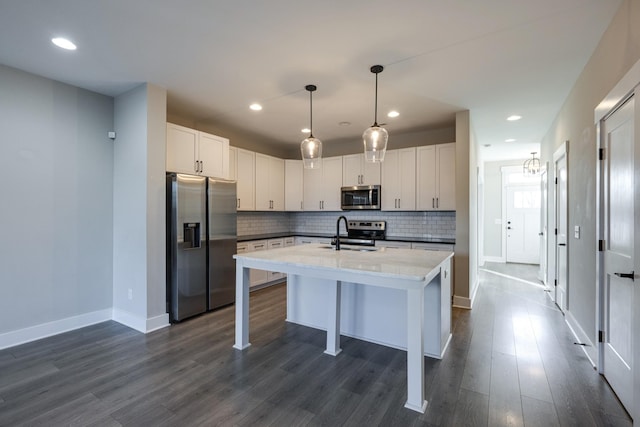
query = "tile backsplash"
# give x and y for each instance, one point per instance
(399, 224)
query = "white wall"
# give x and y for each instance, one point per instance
(617, 51)
(56, 169)
(139, 209)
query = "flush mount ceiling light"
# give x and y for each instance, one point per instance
(375, 138)
(393, 114)
(510, 140)
(255, 106)
(514, 117)
(63, 43)
(311, 148)
(531, 166)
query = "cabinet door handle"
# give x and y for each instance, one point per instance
(438, 202)
(195, 166)
(398, 203)
(433, 202)
(238, 206)
(320, 204)
(301, 204)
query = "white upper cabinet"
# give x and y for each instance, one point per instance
(399, 180)
(194, 152)
(357, 171)
(233, 163)
(436, 177)
(269, 183)
(293, 188)
(322, 186)
(245, 187)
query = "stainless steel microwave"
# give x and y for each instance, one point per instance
(360, 197)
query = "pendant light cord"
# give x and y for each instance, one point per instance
(310, 114)
(375, 113)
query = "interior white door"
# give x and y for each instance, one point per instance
(544, 182)
(562, 276)
(619, 248)
(523, 224)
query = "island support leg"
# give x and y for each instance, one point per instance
(242, 307)
(415, 351)
(333, 323)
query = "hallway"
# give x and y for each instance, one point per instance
(512, 361)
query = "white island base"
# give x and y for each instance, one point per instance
(396, 297)
(371, 313)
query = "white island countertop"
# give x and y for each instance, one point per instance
(424, 277)
(321, 259)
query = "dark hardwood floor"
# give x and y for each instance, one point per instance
(512, 362)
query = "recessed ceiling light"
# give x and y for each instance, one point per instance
(510, 140)
(487, 145)
(393, 113)
(305, 130)
(255, 107)
(514, 118)
(344, 124)
(63, 43)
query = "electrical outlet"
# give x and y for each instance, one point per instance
(576, 232)
(130, 293)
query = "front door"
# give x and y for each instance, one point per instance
(562, 276)
(523, 224)
(617, 131)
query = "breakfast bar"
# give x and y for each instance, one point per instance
(341, 278)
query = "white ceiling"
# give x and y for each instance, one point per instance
(492, 57)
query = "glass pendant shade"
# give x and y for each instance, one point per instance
(311, 149)
(531, 166)
(375, 143)
(375, 138)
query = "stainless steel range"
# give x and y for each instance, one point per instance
(363, 233)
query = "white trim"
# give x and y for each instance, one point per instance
(44, 330)
(494, 259)
(157, 322)
(618, 94)
(131, 320)
(589, 349)
(462, 302)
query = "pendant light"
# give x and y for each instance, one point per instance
(311, 147)
(531, 166)
(375, 138)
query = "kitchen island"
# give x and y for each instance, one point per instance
(338, 283)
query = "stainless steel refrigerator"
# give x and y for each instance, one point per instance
(201, 242)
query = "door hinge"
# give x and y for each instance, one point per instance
(600, 153)
(555, 231)
(556, 180)
(600, 336)
(600, 245)
(555, 282)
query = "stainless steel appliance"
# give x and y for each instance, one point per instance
(363, 233)
(201, 241)
(360, 197)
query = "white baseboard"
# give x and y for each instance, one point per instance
(461, 302)
(157, 322)
(44, 330)
(129, 319)
(589, 349)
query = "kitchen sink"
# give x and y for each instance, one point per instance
(352, 248)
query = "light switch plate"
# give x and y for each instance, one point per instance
(576, 232)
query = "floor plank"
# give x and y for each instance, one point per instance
(511, 361)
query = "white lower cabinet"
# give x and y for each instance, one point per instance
(300, 240)
(261, 277)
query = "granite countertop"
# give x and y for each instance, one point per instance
(265, 236)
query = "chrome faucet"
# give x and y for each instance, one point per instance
(346, 225)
